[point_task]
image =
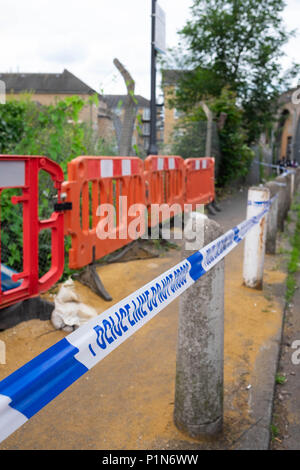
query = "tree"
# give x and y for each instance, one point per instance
(236, 44)
(190, 134)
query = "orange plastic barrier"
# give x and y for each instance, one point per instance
(165, 183)
(23, 172)
(94, 182)
(200, 180)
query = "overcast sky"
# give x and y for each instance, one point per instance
(85, 37)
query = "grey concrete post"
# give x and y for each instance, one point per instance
(292, 185)
(297, 179)
(272, 220)
(199, 385)
(288, 180)
(255, 240)
(209, 116)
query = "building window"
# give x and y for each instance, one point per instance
(146, 114)
(146, 128)
(118, 111)
(146, 143)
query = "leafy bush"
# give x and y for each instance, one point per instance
(236, 154)
(11, 124)
(190, 136)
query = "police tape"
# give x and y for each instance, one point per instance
(30, 388)
(270, 165)
(263, 203)
(278, 167)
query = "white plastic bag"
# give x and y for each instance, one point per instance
(69, 313)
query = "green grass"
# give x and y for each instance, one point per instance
(283, 251)
(268, 297)
(274, 431)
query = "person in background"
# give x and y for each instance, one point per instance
(282, 164)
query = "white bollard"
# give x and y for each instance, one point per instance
(255, 240)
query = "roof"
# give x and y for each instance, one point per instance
(113, 101)
(45, 83)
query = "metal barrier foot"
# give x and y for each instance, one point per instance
(216, 206)
(90, 278)
(210, 209)
(137, 249)
(118, 257)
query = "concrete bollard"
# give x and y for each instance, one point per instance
(283, 200)
(255, 240)
(272, 219)
(198, 409)
(292, 186)
(288, 181)
(297, 178)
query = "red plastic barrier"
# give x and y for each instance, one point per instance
(93, 182)
(23, 172)
(200, 180)
(165, 184)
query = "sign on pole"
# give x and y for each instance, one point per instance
(160, 29)
(2, 92)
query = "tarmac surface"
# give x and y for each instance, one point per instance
(127, 400)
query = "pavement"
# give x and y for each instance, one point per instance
(126, 401)
(286, 411)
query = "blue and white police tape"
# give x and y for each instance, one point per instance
(270, 165)
(262, 203)
(277, 167)
(34, 385)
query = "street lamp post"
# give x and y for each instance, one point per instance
(153, 145)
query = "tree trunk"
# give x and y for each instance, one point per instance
(125, 145)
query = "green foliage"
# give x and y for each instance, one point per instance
(280, 379)
(236, 154)
(190, 136)
(12, 124)
(53, 131)
(11, 230)
(237, 43)
(274, 431)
